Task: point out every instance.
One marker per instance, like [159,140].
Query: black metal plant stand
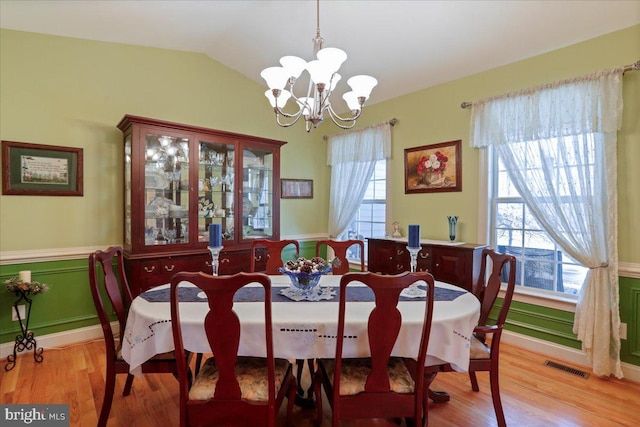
[25,340]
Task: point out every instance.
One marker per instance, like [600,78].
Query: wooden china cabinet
[179,179]
[455,264]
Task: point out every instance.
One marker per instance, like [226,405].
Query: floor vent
[568,369]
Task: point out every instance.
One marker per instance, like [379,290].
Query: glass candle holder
[215,254]
[413,291]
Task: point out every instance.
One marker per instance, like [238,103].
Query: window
[370,220]
[541,264]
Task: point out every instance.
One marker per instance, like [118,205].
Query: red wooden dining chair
[103,280]
[274,253]
[340,250]
[230,390]
[377,386]
[485,355]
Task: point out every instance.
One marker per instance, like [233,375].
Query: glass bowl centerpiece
[305,273]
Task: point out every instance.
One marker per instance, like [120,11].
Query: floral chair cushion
[355,371]
[251,373]
[479,350]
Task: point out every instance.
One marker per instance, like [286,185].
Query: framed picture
[296,188]
[433,168]
[41,170]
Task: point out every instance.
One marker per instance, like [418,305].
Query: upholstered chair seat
[251,373]
[354,375]
[479,350]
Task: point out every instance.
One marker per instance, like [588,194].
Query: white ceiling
[406,45]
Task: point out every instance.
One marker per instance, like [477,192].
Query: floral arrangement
[305,273]
[205,205]
[435,163]
[16,285]
[310,266]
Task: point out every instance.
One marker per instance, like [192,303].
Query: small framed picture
[41,170]
[296,188]
[433,168]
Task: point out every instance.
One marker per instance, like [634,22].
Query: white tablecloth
[304,330]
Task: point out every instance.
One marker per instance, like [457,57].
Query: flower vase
[453,221]
[429,178]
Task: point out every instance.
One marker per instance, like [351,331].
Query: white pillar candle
[25,276]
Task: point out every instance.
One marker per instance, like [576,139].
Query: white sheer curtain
[568,130]
[352,157]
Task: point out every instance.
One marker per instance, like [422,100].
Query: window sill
[544,299]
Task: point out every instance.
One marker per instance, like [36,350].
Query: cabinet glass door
[257,193]
[216,189]
[127,191]
[166,189]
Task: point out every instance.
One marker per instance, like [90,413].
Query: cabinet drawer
[232,262]
[401,259]
[425,260]
[158,271]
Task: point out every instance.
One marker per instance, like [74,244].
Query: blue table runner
[256,294]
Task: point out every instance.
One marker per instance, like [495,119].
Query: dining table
[304,327]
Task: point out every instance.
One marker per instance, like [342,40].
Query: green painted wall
[434,115]
[67,305]
[71,92]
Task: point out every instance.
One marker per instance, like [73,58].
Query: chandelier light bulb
[280,101]
[362,85]
[352,101]
[320,72]
[276,77]
[333,57]
[293,65]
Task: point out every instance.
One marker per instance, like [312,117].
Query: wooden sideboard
[455,264]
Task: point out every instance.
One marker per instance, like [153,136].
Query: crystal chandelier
[323,78]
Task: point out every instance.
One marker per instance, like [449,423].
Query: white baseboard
[60,339]
[562,353]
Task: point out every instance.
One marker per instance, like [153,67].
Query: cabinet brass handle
[169,268]
[150,269]
[399,251]
[425,256]
[223,260]
[207,263]
[400,267]
[437,265]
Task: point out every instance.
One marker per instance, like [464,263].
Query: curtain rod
[631,67]
[392,122]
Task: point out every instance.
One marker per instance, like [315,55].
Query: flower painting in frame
[433,168]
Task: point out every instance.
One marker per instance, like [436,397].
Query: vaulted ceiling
[406,45]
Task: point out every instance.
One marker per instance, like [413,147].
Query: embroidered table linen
[301,330]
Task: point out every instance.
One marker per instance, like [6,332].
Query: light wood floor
[532,394]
